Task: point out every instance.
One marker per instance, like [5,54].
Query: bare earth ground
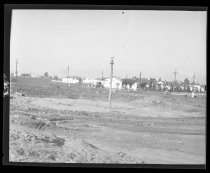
[153,129]
[57,123]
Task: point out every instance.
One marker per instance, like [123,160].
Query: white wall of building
[116,83]
[196,88]
[70,80]
[134,86]
[87,80]
[90,81]
[18,74]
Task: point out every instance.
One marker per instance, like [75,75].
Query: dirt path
[65,130]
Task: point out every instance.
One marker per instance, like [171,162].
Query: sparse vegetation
[77,126]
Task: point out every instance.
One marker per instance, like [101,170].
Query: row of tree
[175,86]
[46,74]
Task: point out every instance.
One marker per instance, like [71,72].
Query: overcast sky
[154,43]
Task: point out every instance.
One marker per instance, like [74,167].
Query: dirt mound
[46,147]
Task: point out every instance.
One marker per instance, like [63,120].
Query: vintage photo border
[6,66]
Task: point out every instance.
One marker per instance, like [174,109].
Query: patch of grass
[44,87]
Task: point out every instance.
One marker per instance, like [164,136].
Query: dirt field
[75,125]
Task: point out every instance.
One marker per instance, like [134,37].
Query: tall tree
[46,74]
[186,82]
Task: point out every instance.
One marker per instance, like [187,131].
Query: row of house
[128,84]
[117,83]
[26,75]
[135,84]
[104,82]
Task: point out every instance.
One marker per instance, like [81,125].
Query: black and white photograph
[107,86]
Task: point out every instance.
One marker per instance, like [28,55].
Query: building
[26,74]
[18,74]
[197,88]
[134,86]
[116,83]
[153,84]
[72,80]
[91,81]
[33,75]
[203,88]
[87,80]
[182,88]
[130,84]
[160,85]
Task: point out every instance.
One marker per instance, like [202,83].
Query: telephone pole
[193,79]
[140,81]
[193,82]
[16,68]
[174,77]
[102,73]
[110,89]
[68,74]
[175,74]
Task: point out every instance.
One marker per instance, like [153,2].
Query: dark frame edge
[104,7]
[7,29]
[6,71]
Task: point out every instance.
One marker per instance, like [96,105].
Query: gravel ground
[154,129]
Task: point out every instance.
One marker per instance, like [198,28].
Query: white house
[182,88]
[90,81]
[33,75]
[94,81]
[18,74]
[116,83]
[196,88]
[202,88]
[87,80]
[168,87]
[134,86]
[161,84]
[71,80]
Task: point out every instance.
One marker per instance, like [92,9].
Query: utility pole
[193,82]
[16,68]
[175,74]
[140,81]
[193,79]
[68,74]
[110,89]
[174,77]
[102,74]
